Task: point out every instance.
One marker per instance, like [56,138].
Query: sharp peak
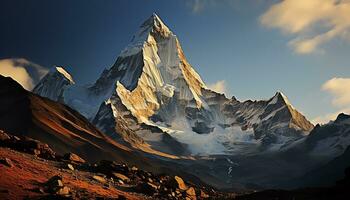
[342,117]
[279,93]
[283,97]
[62,71]
[155,22]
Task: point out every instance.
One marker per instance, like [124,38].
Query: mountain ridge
[158,87]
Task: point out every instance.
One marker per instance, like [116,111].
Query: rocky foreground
[32,170]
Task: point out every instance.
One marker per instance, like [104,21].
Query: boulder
[99,179]
[70,166]
[145,188]
[54,182]
[55,186]
[4,136]
[191,193]
[134,168]
[121,177]
[181,184]
[73,157]
[204,195]
[64,191]
[6,161]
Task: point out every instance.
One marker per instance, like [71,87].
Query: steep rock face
[330,139]
[54,83]
[152,68]
[155,93]
[14,110]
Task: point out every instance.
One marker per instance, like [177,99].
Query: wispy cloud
[313,22]
[219,86]
[23,71]
[339,89]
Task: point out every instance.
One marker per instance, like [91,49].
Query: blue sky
[250,48]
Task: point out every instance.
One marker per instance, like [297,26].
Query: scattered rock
[39,190]
[145,188]
[54,182]
[154,186]
[4,136]
[70,166]
[181,183]
[134,168]
[191,193]
[121,176]
[36,152]
[64,191]
[27,145]
[99,179]
[7,162]
[204,195]
[73,157]
[55,186]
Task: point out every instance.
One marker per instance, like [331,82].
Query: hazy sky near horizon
[249,49]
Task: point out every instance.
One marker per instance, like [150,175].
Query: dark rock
[109,167]
[55,181]
[341,117]
[55,186]
[121,197]
[145,188]
[63,191]
[204,195]
[7,162]
[121,177]
[4,136]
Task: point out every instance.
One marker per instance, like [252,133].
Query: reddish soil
[28,173]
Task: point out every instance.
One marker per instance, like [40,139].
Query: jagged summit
[279,97]
[152,83]
[61,70]
[152,26]
[155,24]
[342,117]
[54,83]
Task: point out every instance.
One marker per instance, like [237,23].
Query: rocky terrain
[30,169]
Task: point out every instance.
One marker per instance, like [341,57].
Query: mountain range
[152,109]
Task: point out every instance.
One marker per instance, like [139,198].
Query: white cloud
[339,88]
[219,86]
[23,71]
[313,22]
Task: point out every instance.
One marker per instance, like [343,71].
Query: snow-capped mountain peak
[61,70]
[156,25]
[153,25]
[54,83]
[152,83]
